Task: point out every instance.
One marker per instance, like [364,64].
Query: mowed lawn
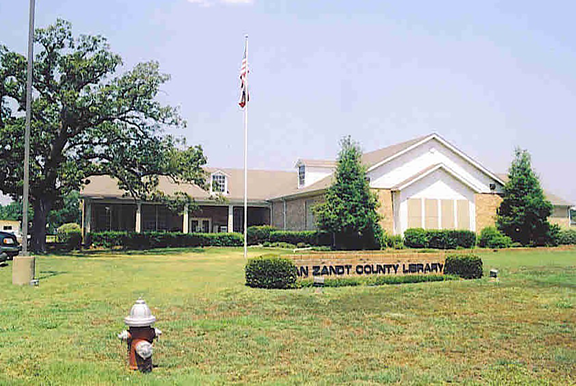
[521,330]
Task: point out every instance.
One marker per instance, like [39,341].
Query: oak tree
[88,119]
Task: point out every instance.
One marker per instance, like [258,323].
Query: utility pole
[24,266]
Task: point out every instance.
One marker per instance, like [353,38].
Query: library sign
[360,264]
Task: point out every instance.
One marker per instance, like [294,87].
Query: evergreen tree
[523,214]
[349,209]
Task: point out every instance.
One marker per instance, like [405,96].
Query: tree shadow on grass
[122,252]
[48,274]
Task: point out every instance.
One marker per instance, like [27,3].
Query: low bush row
[490,237]
[148,240]
[439,239]
[567,237]
[268,234]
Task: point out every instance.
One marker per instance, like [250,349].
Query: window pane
[218,183]
[301,174]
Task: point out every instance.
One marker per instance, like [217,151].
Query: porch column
[87,216]
[138,225]
[185,220]
[230,218]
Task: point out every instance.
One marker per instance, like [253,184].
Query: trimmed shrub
[306,237]
[148,240]
[439,238]
[70,235]
[416,238]
[378,280]
[465,266]
[567,237]
[270,271]
[268,244]
[490,237]
[259,234]
[392,241]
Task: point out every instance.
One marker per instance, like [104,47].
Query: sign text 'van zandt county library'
[360,264]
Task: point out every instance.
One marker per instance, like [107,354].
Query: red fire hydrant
[140,336]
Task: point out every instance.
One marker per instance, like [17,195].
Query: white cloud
[237,1]
[202,3]
[209,3]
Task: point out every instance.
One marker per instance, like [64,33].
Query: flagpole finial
[246,36]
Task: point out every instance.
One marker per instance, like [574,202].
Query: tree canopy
[524,211]
[87,120]
[349,209]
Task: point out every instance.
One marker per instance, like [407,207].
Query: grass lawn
[521,330]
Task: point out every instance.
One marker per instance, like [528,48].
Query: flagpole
[246,158]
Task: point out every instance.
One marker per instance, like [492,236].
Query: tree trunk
[42,207]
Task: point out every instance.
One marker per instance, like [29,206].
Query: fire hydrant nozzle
[140,336]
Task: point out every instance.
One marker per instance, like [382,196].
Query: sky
[488,76]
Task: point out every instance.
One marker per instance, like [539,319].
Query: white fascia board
[386,160]
[449,146]
[447,170]
[219,172]
[468,158]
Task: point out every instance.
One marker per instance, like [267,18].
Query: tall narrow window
[463,214]
[414,213]
[218,183]
[447,214]
[431,210]
[301,175]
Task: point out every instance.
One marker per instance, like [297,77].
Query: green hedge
[567,237]
[70,236]
[148,240]
[490,237]
[392,241]
[305,237]
[270,271]
[378,280]
[465,266]
[439,239]
[259,234]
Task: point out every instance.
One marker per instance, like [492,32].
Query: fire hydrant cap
[140,315]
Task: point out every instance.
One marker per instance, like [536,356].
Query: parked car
[9,245]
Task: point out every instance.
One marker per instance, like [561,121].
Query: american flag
[244,97]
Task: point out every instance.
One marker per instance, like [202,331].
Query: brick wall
[278,214]
[385,210]
[295,213]
[486,206]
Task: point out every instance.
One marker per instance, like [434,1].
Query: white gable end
[424,156]
[315,174]
[439,186]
